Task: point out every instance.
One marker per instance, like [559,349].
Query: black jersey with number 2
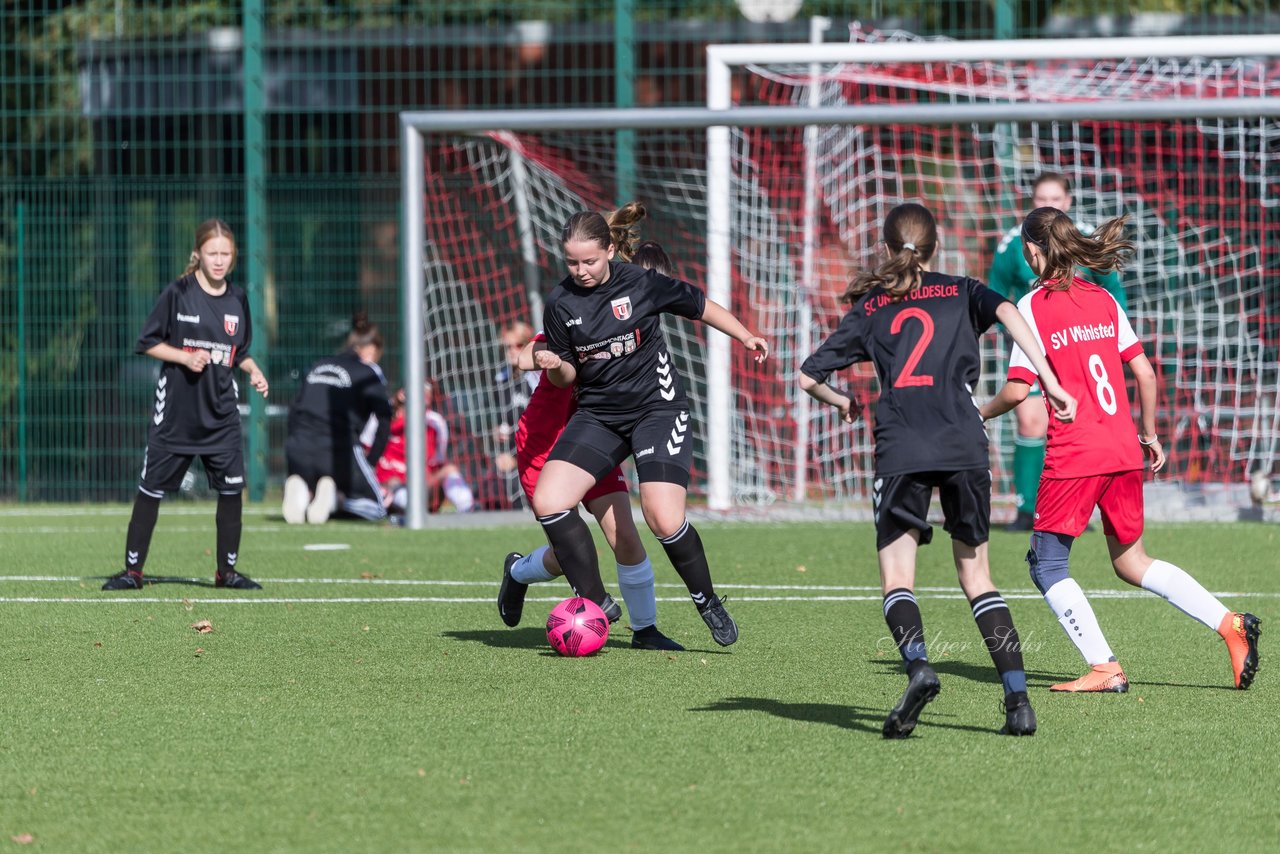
[925,351]
[612,334]
[197,412]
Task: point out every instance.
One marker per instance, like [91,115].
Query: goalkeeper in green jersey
[1012,278]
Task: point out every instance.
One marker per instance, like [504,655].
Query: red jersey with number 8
[1087,339]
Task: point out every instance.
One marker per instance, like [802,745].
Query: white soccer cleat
[296,499]
[322,504]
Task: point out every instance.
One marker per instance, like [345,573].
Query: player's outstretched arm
[1006,400]
[718,317]
[561,373]
[846,403]
[1144,377]
[1064,405]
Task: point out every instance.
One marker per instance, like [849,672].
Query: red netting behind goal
[1203,197]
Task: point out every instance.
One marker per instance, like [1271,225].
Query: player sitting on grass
[1097,459]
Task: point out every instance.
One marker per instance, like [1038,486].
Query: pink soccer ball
[577,627]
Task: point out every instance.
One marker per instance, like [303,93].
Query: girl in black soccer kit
[604,332]
[342,398]
[920,329]
[200,330]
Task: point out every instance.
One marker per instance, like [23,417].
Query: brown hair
[911,236]
[1056,235]
[624,228]
[205,232]
[363,333]
[652,256]
[1056,177]
[620,229]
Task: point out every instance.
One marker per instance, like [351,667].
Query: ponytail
[624,228]
[1055,234]
[911,236]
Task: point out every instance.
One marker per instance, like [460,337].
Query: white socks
[530,569]
[1071,607]
[1184,593]
[636,584]
[458,493]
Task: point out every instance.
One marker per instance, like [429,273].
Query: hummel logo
[231,558]
[577,321]
[676,442]
[131,557]
[188,318]
[666,382]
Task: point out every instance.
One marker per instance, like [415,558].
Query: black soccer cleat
[124,580]
[234,580]
[724,630]
[511,593]
[611,609]
[650,638]
[922,687]
[1019,717]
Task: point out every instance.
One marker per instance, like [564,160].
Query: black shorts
[162,470]
[661,441]
[349,468]
[901,504]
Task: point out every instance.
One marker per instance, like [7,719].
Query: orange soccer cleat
[1106,678]
[1241,632]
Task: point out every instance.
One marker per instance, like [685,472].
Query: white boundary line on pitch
[933,592]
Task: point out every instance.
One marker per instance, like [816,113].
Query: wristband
[1147,444]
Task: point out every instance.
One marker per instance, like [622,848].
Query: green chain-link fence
[123,123]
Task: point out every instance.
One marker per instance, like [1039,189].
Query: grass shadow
[858,718]
[526,638]
[148,580]
[975,672]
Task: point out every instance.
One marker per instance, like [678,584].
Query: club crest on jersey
[621,307]
[230,322]
[616,348]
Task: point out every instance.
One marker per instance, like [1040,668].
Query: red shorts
[1064,505]
[530,469]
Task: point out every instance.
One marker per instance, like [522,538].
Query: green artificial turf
[321,714]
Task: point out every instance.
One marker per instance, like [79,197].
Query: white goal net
[804,213]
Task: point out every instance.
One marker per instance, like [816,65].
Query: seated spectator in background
[514,388]
[338,427]
[443,479]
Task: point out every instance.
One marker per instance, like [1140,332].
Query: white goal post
[722,116]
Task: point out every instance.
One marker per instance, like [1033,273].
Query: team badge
[230,322]
[621,308]
[616,348]
[630,345]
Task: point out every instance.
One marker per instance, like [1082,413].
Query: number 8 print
[1106,394]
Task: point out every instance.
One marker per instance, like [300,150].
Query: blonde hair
[911,236]
[205,232]
[624,228]
[1056,235]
